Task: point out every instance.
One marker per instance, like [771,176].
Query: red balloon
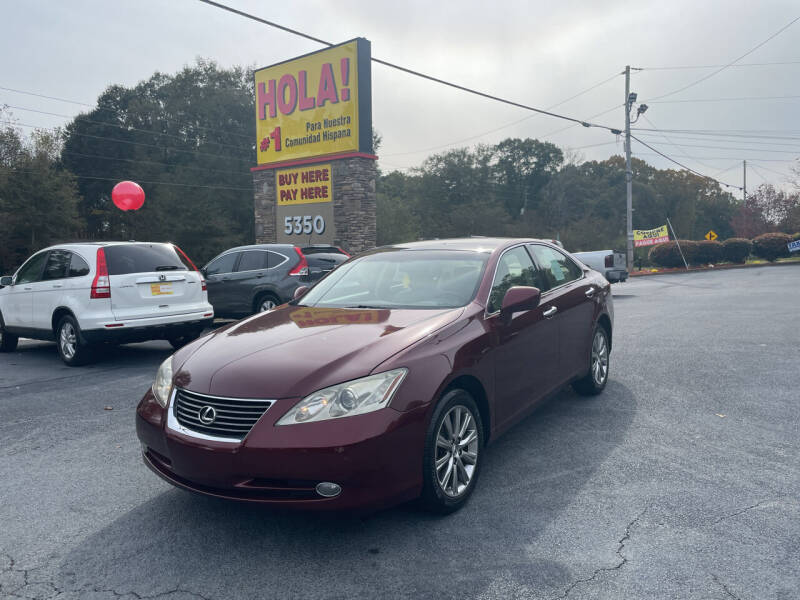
[128,195]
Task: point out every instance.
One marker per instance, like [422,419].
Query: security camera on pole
[630,99]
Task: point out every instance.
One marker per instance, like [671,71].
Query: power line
[154,162]
[411,71]
[685,67]
[169,183]
[796,151]
[126,127]
[741,98]
[669,158]
[787,175]
[686,154]
[735,165]
[468,139]
[100,137]
[112,111]
[728,140]
[743,133]
[725,158]
[723,67]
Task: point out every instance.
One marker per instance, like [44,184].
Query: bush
[771,246]
[736,250]
[708,252]
[796,237]
[668,255]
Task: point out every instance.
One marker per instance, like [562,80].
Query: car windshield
[399,278]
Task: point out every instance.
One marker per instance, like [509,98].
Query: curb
[702,269]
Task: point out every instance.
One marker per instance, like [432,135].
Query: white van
[81,295]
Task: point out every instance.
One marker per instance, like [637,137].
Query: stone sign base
[353,190]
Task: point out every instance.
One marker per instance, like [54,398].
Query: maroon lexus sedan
[382,383]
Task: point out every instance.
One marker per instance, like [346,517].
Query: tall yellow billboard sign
[315,105]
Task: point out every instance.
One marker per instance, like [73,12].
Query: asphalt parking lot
[682,480]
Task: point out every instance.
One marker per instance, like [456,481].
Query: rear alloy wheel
[597,377]
[68,341]
[265,303]
[452,453]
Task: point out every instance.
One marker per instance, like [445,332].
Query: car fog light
[328,489]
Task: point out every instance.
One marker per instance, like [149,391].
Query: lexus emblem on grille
[162,277]
[207,415]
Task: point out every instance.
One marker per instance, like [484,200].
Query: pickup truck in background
[611,264]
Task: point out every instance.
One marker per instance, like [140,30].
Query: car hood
[295,350]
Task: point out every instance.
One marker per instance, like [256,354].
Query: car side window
[32,270]
[77,266]
[224,264]
[274,259]
[57,266]
[253,260]
[556,266]
[515,267]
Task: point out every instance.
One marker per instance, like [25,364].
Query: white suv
[81,295]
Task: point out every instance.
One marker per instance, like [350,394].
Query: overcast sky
[537,53]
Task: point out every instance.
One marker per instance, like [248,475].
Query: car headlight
[354,397]
[162,386]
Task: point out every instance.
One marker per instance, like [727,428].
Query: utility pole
[744,185]
[628,169]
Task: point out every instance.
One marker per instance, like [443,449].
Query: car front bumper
[376,458]
[616,276]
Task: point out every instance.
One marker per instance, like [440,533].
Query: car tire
[8,341]
[265,302]
[179,341]
[596,378]
[441,493]
[72,350]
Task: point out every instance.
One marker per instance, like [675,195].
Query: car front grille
[220,417]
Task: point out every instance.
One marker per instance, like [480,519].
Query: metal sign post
[678,243]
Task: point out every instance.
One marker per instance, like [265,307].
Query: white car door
[48,294]
[18,302]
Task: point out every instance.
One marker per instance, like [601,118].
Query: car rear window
[325,260]
[143,258]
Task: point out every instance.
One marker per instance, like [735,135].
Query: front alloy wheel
[456,451]
[453,445]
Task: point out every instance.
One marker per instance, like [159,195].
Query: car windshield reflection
[413,279]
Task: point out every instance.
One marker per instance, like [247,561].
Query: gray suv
[249,279]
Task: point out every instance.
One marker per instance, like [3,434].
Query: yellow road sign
[711,235]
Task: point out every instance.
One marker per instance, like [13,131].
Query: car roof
[471,244]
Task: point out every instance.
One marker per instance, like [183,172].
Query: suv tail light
[101,286]
[609,261]
[189,260]
[347,254]
[302,267]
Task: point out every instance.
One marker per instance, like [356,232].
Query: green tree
[188,140]
[38,198]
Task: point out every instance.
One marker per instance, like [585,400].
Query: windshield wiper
[363,306]
[167,268]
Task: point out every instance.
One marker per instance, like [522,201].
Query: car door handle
[259,274]
[27,288]
[550,311]
[590,292]
[58,285]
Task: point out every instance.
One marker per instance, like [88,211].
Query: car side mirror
[519,298]
[6,280]
[300,292]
